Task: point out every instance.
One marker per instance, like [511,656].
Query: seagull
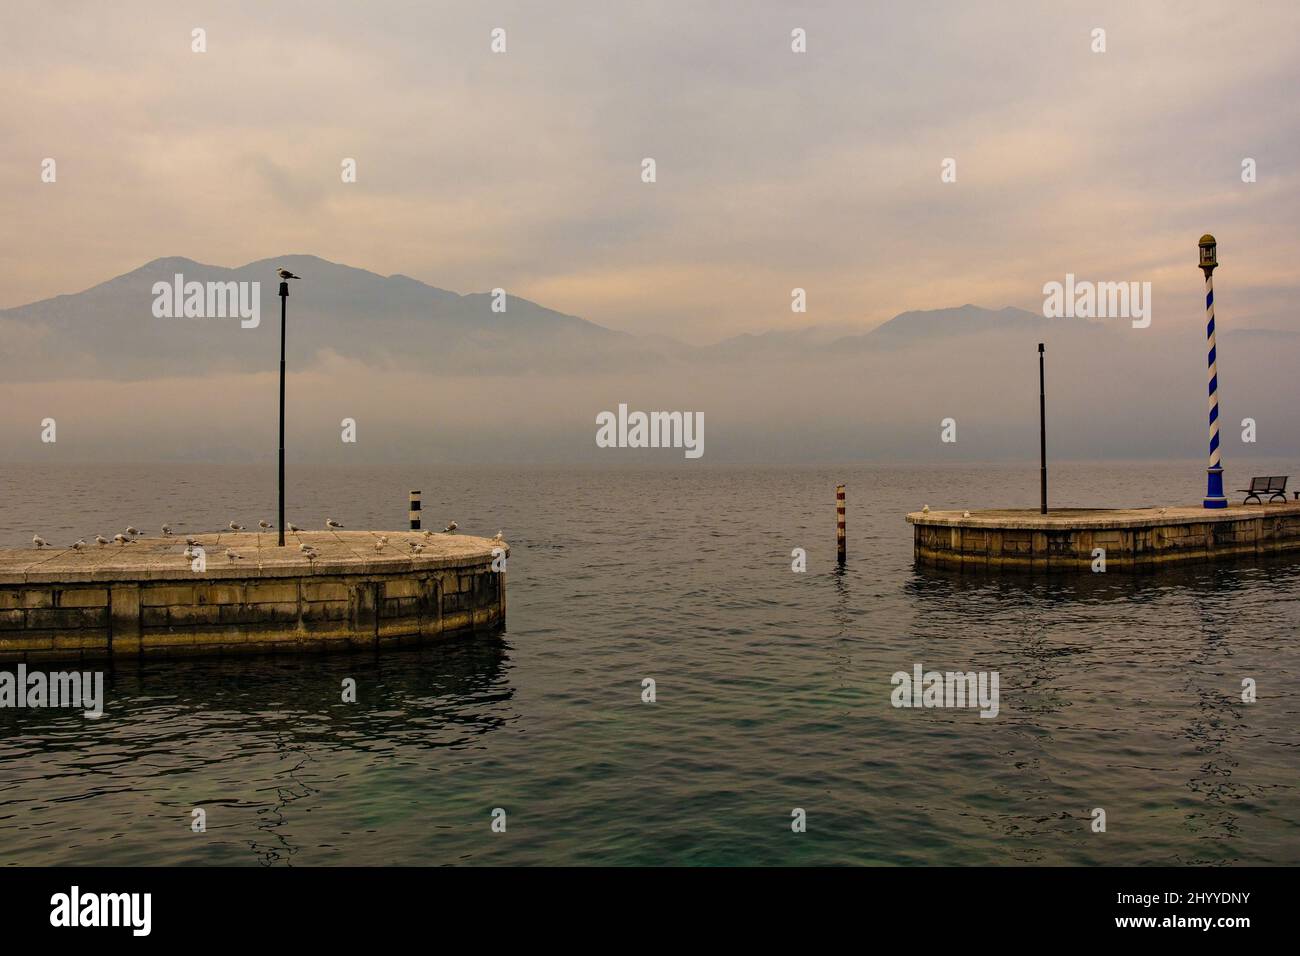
[379,545]
[925,510]
[235,527]
[167,529]
[131,531]
[122,539]
[451,528]
[286,274]
[310,552]
[292,527]
[497,536]
[233,555]
[100,540]
[81,543]
[965,514]
[416,547]
[264,526]
[331,523]
[38,541]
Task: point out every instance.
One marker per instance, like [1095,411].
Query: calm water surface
[773,687]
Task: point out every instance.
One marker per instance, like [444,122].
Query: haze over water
[773,688]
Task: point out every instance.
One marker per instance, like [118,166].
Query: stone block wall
[74,620]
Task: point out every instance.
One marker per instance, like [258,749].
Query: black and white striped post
[415,511]
[840,541]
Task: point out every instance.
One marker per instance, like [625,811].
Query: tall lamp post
[1042,434]
[1214,497]
[284,298]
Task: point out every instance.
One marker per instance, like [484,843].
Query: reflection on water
[1117,691]
[250,740]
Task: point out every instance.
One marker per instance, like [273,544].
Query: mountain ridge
[109,329]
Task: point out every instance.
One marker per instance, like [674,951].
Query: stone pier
[145,598]
[1065,539]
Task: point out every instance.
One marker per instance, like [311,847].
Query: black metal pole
[1042,431]
[284,298]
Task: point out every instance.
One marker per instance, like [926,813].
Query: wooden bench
[1274,487]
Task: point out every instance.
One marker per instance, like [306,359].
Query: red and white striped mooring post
[839,523]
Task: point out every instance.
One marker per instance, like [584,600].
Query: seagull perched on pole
[286,274]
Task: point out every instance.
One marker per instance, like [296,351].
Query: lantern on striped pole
[839,524]
[414,511]
[1214,497]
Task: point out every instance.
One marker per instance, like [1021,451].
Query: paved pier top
[1071,519]
[159,558]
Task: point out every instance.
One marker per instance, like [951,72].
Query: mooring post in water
[839,524]
[414,511]
[1214,497]
[284,297]
[1042,433]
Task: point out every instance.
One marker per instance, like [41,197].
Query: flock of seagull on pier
[132,534]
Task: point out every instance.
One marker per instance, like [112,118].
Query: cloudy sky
[775,169]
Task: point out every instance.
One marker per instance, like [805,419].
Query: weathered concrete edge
[1120,560]
[238,572]
[942,519]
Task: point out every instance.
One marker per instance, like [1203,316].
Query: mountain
[435,375]
[964,320]
[111,330]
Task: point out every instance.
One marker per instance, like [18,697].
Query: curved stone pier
[144,598]
[1066,539]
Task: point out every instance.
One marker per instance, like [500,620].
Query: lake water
[773,688]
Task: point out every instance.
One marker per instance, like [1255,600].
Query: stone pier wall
[1132,540]
[261,612]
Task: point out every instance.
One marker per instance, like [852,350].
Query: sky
[775,170]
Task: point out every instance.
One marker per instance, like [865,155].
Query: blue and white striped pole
[1214,497]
